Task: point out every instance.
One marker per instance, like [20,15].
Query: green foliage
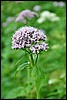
[22,66]
[50,74]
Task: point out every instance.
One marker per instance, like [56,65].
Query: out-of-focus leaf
[16,92]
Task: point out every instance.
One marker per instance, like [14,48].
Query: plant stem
[36,60]
[37,87]
[28,80]
[30,59]
[38,95]
[28,75]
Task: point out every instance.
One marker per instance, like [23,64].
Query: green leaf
[18,61]
[22,66]
[16,92]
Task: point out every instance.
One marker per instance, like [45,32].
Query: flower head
[46,15]
[39,47]
[26,14]
[20,19]
[59,4]
[43,46]
[29,37]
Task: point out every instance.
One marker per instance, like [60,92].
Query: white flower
[55,19]
[41,19]
[46,15]
[37,8]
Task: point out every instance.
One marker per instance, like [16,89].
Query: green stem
[28,75]
[32,60]
[38,95]
[36,60]
[27,22]
[37,88]
[28,80]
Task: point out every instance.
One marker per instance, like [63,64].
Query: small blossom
[37,8]
[10,19]
[28,62]
[43,46]
[35,48]
[4,24]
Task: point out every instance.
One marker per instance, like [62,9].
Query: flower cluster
[46,15]
[29,37]
[39,47]
[59,4]
[26,14]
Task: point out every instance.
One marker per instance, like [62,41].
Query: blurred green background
[52,62]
